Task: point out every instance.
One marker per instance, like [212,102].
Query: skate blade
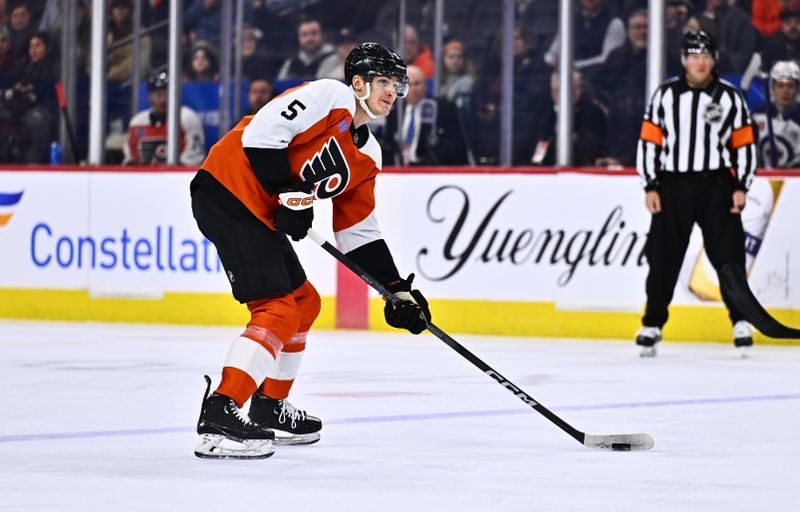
[215,446]
[287,439]
[648,352]
[744,352]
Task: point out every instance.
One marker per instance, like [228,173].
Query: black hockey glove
[295,212]
[413,313]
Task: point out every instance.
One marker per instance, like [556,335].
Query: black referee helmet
[698,41]
[158,81]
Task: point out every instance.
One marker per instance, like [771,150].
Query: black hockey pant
[686,198]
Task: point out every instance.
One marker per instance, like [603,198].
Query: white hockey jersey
[786,131]
[313,122]
[147,142]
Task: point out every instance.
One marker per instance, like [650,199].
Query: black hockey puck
[621,447]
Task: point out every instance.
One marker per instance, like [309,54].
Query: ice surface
[101,417]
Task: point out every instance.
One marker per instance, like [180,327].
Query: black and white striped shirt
[692,130]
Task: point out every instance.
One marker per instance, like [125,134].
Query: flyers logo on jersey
[328,168]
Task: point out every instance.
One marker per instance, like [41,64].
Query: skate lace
[240,415]
[291,412]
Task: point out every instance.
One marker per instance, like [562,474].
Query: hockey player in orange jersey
[257,186]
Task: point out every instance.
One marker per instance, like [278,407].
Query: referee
[696,157]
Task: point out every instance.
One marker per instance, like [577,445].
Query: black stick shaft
[70,135]
[449,341]
[62,103]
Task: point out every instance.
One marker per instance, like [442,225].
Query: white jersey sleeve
[296,112]
[194,149]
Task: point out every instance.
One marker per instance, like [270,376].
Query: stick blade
[619,442]
[734,280]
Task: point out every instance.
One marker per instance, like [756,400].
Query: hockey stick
[617,442]
[62,103]
[734,281]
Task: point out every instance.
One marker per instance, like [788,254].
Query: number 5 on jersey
[291,111]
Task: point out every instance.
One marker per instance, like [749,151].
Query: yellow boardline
[454,316]
[543,319]
[173,308]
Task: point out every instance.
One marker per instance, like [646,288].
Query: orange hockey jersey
[313,121]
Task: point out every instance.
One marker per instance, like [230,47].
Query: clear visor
[401,87]
[400,84]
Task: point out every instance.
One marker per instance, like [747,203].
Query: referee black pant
[686,198]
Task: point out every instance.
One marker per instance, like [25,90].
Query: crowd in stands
[286,42]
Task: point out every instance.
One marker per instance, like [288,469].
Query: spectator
[597,33]
[159,48]
[203,19]
[541,22]
[458,74]
[531,90]
[345,42]
[83,48]
[147,133]
[204,64]
[734,33]
[276,31]
[26,126]
[40,66]
[417,53]
[588,130]
[256,59]
[621,85]
[419,14]
[21,28]
[784,44]
[677,13]
[258,94]
[120,58]
[314,54]
[35,8]
[766,16]
[52,19]
[9,66]
[779,136]
[432,133]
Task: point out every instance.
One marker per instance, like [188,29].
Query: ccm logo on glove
[295,212]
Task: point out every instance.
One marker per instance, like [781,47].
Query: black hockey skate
[647,338]
[292,426]
[226,433]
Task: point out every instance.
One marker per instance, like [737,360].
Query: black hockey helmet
[369,60]
[698,41]
[158,81]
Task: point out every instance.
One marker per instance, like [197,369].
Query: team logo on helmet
[698,41]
